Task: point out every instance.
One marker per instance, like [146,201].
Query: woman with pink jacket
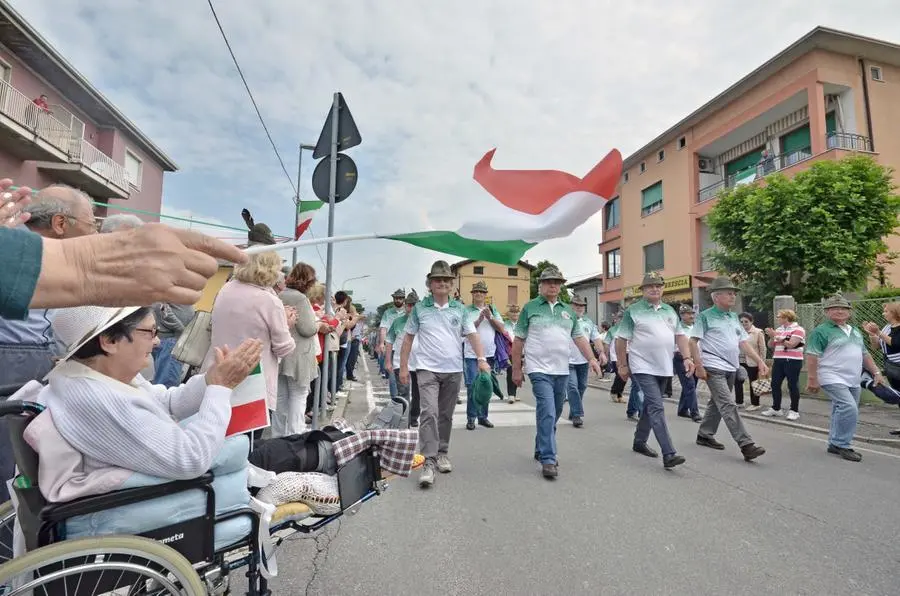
[247,307]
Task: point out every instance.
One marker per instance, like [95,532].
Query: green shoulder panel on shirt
[828,333]
[397,330]
[19,275]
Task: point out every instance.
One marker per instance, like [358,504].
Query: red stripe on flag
[302,228]
[247,417]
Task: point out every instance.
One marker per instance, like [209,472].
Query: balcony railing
[17,106]
[772,164]
[100,163]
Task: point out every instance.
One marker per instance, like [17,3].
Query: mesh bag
[318,491]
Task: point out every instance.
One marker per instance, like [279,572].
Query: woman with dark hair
[297,371]
[103,421]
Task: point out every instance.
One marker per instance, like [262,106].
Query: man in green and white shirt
[545,331]
[386,319]
[392,341]
[578,364]
[835,357]
[650,329]
[488,323]
[717,340]
[440,324]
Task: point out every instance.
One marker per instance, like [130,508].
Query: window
[877,75]
[512,295]
[654,257]
[133,169]
[611,214]
[682,142]
[614,263]
[652,199]
[626,176]
[661,155]
[478,270]
[512,272]
[643,167]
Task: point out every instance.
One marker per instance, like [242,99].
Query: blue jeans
[381,370]
[167,370]
[653,414]
[392,383]
[549,395]
[470,371]
[688,402]
[844,413]
[577,385]
[635,399]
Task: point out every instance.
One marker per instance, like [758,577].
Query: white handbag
[193,344]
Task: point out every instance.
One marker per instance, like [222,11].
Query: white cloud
[432,87]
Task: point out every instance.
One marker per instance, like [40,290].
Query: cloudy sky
[432,86]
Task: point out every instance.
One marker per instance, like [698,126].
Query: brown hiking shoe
[549,471]
[752,451]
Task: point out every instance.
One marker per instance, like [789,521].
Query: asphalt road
[798,521]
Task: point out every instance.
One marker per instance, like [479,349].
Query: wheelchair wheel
[101,565]
[7,529]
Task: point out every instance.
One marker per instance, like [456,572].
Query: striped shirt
[784,333]
[891,352]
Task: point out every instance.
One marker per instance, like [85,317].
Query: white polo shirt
[548,330]
[650,331]
[590,331]
[440,330]
[486,332]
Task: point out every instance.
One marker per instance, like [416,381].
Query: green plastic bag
[482,389]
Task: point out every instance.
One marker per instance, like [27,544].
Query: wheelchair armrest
[57,512]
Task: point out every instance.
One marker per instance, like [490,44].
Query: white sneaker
[770,413]
[426,480]
[443,464]
[792,415]
[751,408]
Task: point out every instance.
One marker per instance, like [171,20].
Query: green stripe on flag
[257,370]
[503,252]
[307,206]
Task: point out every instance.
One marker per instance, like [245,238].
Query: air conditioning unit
[707,166]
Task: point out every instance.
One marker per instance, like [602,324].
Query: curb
[788,423]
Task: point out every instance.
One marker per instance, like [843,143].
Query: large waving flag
[306,209]
[537,205]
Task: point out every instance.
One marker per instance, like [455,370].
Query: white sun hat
[74,327]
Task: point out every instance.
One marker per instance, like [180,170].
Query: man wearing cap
[439,323]
[578,364]
[545,330]
[509,327]
[386,319]
[488,323]
[687,404]
[717,340]
[835,356]
[618,384]
[392,352]
[652,330]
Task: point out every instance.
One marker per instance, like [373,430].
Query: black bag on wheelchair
[307,452]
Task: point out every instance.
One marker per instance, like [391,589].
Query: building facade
[55,127]
[591,289]
[506,285]
[829,95]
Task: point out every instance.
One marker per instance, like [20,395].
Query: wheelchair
[180,558]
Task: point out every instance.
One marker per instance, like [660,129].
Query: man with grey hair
[120,222]
[27,347]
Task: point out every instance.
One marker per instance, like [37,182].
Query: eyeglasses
[153,332]
[95,224]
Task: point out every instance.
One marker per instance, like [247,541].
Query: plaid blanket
[396,448]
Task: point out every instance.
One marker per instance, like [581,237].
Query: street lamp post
[353,278]
[297,197]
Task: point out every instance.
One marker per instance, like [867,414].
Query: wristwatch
[482,359]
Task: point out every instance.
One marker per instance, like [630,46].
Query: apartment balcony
[29,133]
[91,170]
[837,144]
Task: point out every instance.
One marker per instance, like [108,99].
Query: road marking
[370,395]
[501,414]
[855,448]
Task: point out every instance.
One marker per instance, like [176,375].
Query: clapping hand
[233,366]
[13,203]
[871,328]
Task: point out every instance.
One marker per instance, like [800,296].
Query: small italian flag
[248,405]
[533,206]
[306,209]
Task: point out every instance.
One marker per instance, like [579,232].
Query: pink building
[81,140]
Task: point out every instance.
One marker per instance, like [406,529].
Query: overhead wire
[262,121]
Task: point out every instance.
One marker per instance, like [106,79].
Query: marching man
[650,329]
[488,323]
[578,364]
[545,330]
[717,339]
[439,323]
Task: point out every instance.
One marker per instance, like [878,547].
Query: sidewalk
[875,420]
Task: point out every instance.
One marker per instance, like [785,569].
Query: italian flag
[532,206]
[248,405]
[306,209]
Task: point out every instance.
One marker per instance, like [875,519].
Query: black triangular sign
[348,134]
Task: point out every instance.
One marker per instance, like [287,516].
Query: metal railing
[100,163]
[775,163]
[17,106]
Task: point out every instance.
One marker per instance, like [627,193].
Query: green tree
[536,275]
[819,232]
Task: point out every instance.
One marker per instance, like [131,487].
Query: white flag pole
[258,248]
